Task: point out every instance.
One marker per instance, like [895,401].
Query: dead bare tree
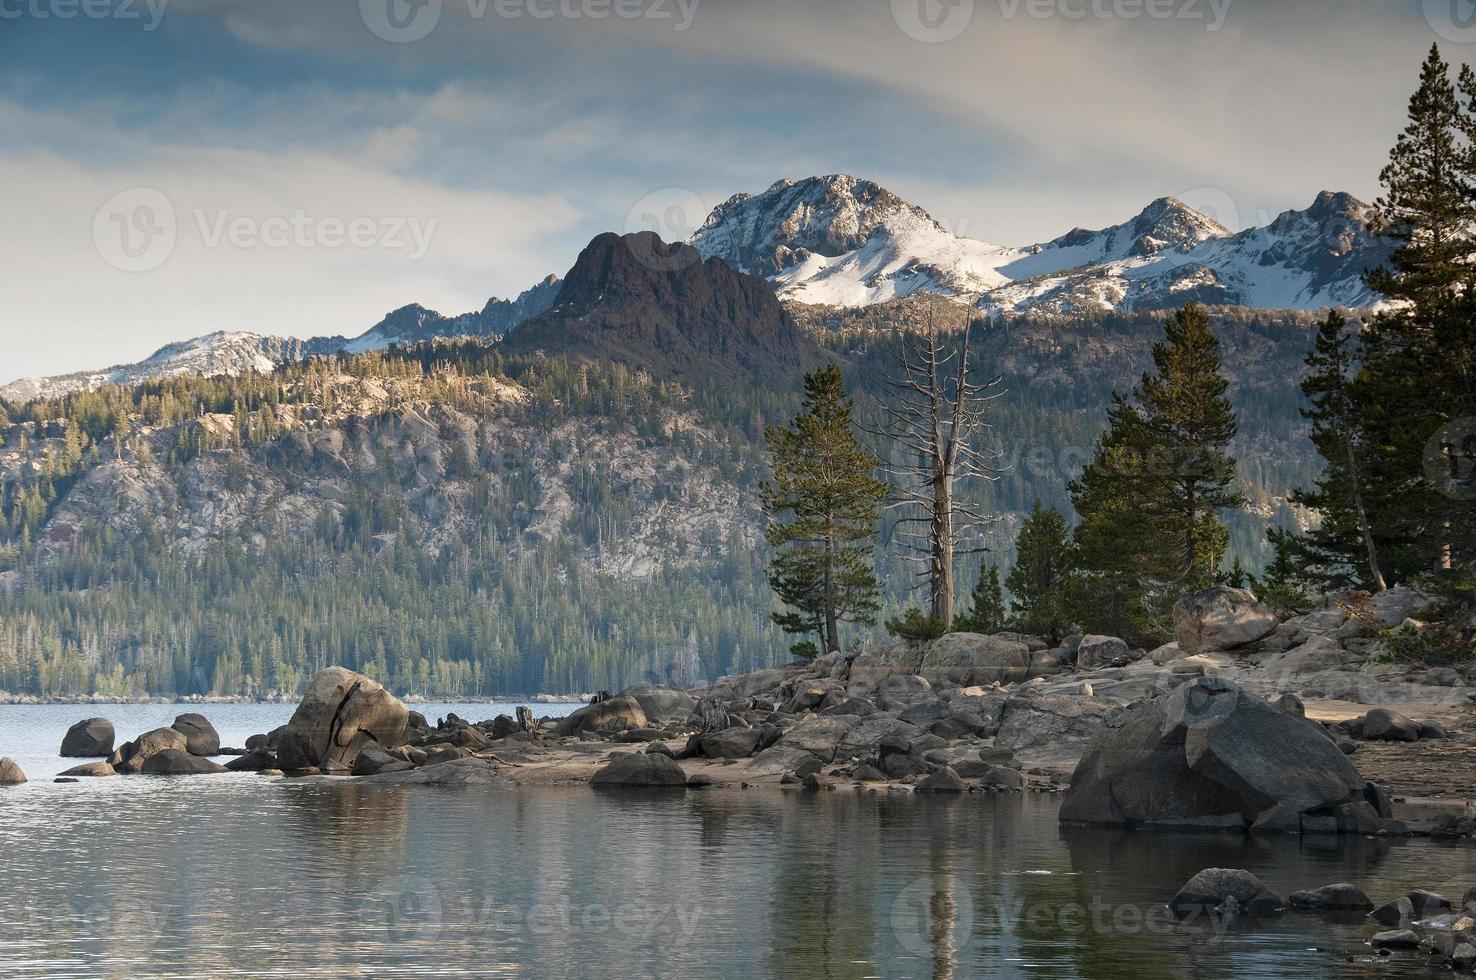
[934,418]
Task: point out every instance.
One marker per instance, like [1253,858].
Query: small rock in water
[1339,896]
[1396,939]
[10,773]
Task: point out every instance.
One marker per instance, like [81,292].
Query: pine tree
[1119,541]
[1045,561]
[1428,204]
[1417,383]
[1191,423]
[987,610]
[1284,586]
[1148,500]
[823,505]
[1340,553]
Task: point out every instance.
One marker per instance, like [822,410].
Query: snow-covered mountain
[842,241]
[237,352]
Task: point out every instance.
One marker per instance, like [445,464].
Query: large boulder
[1385,725]
[1214,755]
[661,704]
[818,735]
[640,769]
[1390,608]
[10,773]
[1221,618]
[200,736]
[91,738]
[341,714]
[173,762]
[730,743]
[608,716]
[969,659]
[1103,651]
[131,756]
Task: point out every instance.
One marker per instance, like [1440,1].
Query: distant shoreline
[409,699]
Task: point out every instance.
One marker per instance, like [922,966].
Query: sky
[170,168]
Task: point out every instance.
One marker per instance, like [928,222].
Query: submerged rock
[1214,888]
[457,772]
[91,738]
[90,769]
[1341,896]
[175,762]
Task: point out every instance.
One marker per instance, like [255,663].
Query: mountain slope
[230,354]
[659,307]
[841,241]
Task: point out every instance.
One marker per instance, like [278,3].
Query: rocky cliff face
[659,307]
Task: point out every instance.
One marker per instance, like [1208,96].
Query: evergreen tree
[987,610]
[1427,204]
[1119,541]
[1340,553]
[1149,498]
[1191,422]
[823,504]
[1045,561]
[1284,586]
[1416,389]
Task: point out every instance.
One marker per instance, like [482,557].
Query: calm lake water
[248,876]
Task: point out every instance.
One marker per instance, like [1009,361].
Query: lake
[243,875]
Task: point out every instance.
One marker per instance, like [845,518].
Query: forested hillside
[453,520]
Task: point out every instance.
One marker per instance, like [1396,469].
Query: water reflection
[329,878]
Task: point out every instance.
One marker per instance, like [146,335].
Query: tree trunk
[832,627]
[942,562]
[1376,575]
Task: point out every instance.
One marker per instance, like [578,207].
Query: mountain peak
[660,307]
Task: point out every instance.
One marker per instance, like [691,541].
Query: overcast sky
[300,167]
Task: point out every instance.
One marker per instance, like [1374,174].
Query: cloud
[295,243]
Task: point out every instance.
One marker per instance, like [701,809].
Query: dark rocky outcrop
[341,714]
[91,738]
[659,307]
[1213,755]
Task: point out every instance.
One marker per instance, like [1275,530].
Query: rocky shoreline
[966,713]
